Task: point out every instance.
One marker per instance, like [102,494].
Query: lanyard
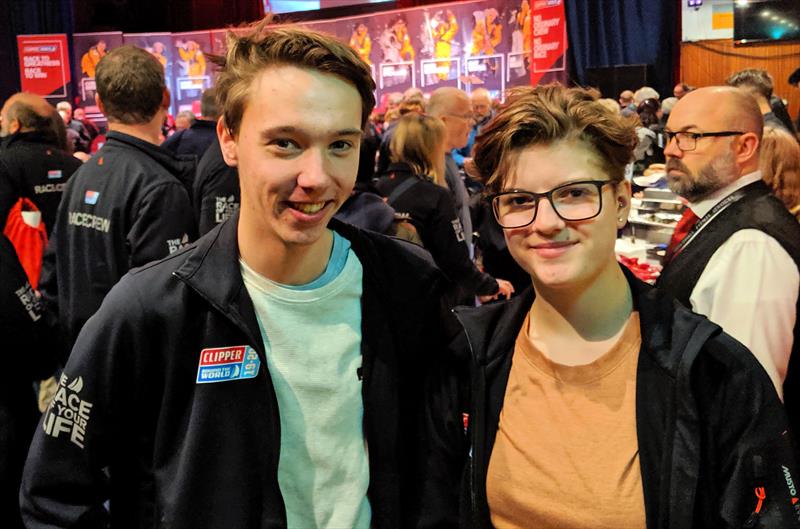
[708,217]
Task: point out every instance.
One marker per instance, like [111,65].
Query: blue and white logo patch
[223,364]
[90,197]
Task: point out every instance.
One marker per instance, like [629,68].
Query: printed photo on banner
[88,49]
[192,71]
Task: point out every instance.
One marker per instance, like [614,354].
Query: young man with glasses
[739,249]
[595,401]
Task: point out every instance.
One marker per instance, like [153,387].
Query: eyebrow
[288,129]
[684,128]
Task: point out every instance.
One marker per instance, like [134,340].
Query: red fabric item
[29,242]
[682,229]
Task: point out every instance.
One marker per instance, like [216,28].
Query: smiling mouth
[553,245]
[309,208]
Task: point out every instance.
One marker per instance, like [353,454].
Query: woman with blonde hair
[414,185]
[780,166]
[595,401]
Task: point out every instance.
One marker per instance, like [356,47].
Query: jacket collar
[670,332]
[212,268]
[177,165]
[30,137]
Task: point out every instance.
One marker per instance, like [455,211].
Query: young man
[271,374]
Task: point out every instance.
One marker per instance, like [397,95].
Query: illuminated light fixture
[742,3]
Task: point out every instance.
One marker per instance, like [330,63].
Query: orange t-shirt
[566,454]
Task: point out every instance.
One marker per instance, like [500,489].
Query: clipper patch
[223,364]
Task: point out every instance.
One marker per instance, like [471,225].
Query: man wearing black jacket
[32,165]
[271,374]
[196,139]
[126,206]
[28,356]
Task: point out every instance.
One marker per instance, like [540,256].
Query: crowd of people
[306,309]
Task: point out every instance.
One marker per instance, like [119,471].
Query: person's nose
[671,148]
[547,221]
[313,171]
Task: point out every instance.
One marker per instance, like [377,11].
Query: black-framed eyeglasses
[687,141]
[574,201]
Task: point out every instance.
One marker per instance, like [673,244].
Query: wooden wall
[710,62]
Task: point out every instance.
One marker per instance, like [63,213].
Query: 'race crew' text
[87,220]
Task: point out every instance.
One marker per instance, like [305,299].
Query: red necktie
[682,229]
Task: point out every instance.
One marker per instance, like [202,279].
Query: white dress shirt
[750,288]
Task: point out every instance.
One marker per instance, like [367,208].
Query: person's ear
[746,147]
[99,102]
[622,201]
[14,126]
[227,142]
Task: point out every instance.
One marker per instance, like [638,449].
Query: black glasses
[573,201]
[687,141]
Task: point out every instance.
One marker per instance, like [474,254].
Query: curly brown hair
[544,115]
[261,46]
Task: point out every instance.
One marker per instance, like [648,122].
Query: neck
[590,314]
[148,132]
[764,105]
[288,264]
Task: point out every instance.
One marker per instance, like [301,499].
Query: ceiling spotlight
[742,3]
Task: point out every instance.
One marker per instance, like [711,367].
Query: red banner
[549,40]
[44,64]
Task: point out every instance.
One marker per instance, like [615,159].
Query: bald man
[481,115]
[738,264]
[32,163]
[454,108]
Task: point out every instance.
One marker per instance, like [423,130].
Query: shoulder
[395,257]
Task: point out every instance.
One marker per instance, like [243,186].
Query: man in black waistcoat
[739,262]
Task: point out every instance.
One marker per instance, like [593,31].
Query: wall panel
[710,62]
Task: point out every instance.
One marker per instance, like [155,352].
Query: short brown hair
[544,115]
[263,46]
[418,141]
[753,80]
[780,164]
[130,83]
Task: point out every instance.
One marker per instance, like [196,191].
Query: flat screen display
[766,20]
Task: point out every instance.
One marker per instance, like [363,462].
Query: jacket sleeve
[447,445]
[9,194]
[758,474]
[23,324]
[66,477]
[443,236]
[164,223]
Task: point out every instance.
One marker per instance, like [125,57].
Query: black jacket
[123,208]
[195,140]
[216,194]
[27,355]
[710,426]
[183,455]
[434,216]
[32,166]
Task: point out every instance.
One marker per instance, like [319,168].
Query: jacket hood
[671,333]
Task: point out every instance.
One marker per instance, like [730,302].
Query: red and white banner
[44,64]
[549,41]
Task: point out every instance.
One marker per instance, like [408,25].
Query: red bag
[29,242]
